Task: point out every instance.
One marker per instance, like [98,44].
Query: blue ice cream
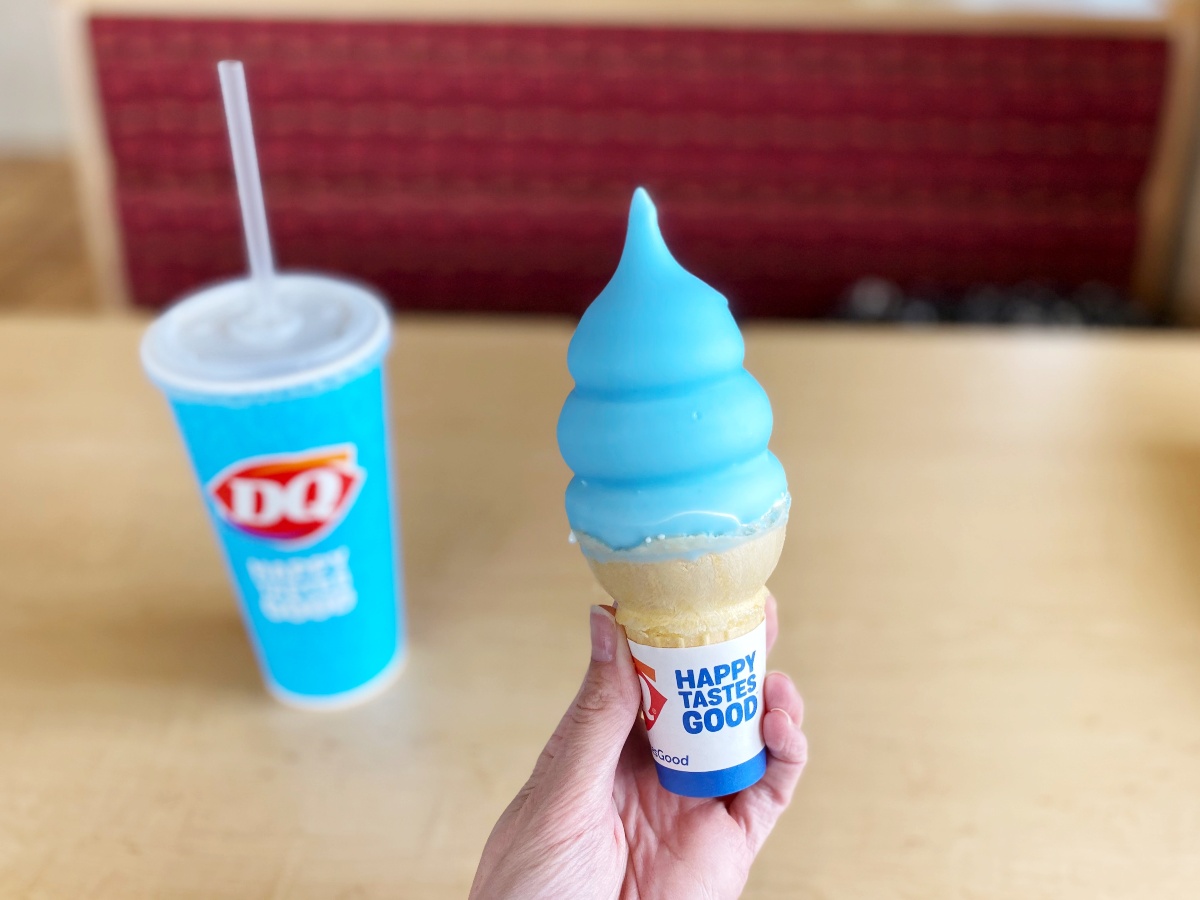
[665,430]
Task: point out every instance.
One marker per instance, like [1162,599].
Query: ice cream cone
[678,505]
[706,591]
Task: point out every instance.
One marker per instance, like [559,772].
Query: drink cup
[282,409]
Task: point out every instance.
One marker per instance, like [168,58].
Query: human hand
[592,820]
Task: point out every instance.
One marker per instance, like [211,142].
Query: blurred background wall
[890,160]
[43,264]
[33,117]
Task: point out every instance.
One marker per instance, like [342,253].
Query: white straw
[249,182]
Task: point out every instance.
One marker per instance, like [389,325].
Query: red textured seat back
[489,167]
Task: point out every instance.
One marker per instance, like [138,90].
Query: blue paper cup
[286,426]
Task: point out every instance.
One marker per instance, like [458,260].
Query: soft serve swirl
[665,430]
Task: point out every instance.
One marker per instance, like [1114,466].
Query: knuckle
[780,795]
[790,747]
[798,748]
[594,696]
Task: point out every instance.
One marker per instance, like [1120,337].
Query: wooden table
[990,598]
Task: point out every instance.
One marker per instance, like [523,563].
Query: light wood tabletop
[990,598]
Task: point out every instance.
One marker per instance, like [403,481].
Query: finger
[780,693]
[758,808]
[772,614]
[584,749]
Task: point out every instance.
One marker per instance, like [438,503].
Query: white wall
[32,110]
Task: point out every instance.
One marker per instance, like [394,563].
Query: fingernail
[782,712]
[604,636]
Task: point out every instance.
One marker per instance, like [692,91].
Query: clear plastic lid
[220,341]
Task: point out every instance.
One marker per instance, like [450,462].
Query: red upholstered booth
[488,166]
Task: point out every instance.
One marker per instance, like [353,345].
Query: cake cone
[711,591]
[678,505]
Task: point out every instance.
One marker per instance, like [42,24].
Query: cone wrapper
[703,709]
[693,611]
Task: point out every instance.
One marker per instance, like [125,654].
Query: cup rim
[175,383]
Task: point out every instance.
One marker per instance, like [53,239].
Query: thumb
[592,733]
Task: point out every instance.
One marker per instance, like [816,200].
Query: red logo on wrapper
[652,701]
[289,498]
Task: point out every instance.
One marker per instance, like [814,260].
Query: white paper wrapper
[703,709]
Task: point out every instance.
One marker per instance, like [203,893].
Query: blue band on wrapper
[713,784]
[703,711]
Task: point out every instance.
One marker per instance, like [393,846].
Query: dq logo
[291,498]
[652,700]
